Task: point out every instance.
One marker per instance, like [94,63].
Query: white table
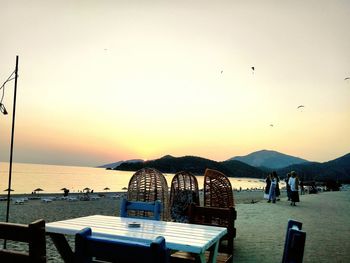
[178,236]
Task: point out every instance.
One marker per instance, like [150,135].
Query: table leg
[214,252]
[63,247]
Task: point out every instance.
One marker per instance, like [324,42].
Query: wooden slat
[15,232]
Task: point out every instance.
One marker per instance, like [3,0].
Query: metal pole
[12,139]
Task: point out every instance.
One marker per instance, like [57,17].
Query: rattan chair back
[217,189]
[183,192]
[148,185]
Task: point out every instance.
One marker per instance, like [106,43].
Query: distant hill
[337,169]
[113,165]
[269,159]
[195,165]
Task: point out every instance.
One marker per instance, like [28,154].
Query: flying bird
[222,71]
[253,69]
[271,125]
[300,106]
[347,78]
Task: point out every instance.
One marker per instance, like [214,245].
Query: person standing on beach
[278,192]
[272,193]
[294,184]
[288,186]
[267,187]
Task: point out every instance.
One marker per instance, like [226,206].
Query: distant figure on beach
[302,188]
[267,187]
[272,193]
[294,187]
[278,192]
[288,186]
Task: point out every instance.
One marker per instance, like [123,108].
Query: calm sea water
[51,178]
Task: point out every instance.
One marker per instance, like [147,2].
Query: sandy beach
[261,226]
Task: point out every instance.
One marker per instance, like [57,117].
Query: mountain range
[113,165]
[269,159]
[254,165]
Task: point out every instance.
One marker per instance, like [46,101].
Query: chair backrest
[183,191]
[294,244]
[137,209]
[33,234]
[149,185]
[217,189]
[118,250]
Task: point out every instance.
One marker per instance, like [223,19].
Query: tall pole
[12,139]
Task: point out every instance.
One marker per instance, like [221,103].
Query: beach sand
[261,226]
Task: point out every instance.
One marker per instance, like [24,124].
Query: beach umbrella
[106,189]
[63,189]
[86,189]
[6,190]
[38,190]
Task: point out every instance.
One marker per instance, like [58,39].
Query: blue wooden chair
[138,209]
[88,247]
[294,244]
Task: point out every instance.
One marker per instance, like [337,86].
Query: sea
[52,178]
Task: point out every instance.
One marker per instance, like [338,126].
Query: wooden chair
[217,190]
[294,244]
[213,216]
[183,192]
[137,209]
[88,247]
[33,234]
[149,185]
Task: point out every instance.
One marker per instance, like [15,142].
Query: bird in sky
[253,69]
[271,125]
[222,71]
[347,78]
[300,106]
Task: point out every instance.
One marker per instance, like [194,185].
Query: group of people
[272,190]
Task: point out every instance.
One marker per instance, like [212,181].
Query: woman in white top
[294,184]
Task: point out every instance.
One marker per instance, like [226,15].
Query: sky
[103,81]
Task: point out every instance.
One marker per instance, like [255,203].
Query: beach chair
[183,192]
[137,209]
[18,201]
[213,216]
[217,189]
[149,185]
[88,247]
[294,244]
[33,234]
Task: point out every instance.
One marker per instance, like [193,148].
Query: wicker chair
[147,185]
[217,190]
[183,192]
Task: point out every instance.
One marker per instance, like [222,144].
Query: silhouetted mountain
[113,165]
[269,159]
[195,165]
[338,170]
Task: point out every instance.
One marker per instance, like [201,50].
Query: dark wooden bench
[33,234]
[213,216]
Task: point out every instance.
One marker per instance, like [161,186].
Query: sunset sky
[102,81]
